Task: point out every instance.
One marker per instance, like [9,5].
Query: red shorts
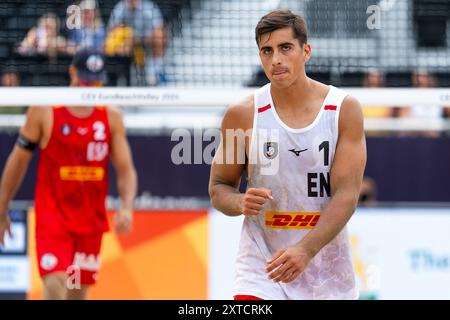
[246,297]
[77,255]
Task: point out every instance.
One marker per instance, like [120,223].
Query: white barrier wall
[402,253]
[398,253]
[224,235]
[14,263]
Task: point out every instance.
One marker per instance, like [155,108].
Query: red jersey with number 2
[72,179]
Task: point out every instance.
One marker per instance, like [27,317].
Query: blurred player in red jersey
[76,144]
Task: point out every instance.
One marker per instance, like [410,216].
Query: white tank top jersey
[295,164]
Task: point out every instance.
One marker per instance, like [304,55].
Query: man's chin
[280,84]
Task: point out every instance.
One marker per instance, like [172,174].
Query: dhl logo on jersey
[292,220]
[81,173]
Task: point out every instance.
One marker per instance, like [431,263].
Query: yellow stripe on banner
[291,220]
[81,173]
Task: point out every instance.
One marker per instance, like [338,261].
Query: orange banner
[164,257]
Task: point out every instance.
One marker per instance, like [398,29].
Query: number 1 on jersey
[325,145]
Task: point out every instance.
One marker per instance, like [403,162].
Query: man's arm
[346,176]
[125,171]
[226,171]
[228,166]
[17,164]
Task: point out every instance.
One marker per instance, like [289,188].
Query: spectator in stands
[374,78]
[149,35]
[120,42]
[10,78]
[44,39]
[422,79]
[91,34]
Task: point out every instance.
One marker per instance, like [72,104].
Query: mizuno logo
[297,152]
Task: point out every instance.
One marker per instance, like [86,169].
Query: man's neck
[290,96]
[81,111]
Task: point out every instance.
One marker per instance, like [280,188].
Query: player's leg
[55,286]
[86,264]
[78,294]
[55,255]
[245,297]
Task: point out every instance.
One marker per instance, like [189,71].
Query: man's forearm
[127,187]
[226,199]
[332,220]
[12,178]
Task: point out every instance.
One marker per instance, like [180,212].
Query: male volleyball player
[76,144]
[294,243]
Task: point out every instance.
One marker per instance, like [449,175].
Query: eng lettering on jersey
[267,142]
[88,262]
[319,182]
[97,151]
[291,220]
[99,130]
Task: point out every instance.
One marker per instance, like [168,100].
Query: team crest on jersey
[270,150]
[48,261]
[65,129]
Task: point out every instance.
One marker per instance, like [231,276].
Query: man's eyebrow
[278,45]
[285,44]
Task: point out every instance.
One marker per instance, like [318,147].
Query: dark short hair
[279,19]
[90,65]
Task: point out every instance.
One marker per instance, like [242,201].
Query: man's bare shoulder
[38,109]
[240,114]
[38,121]
[114,112]
[115,117]
[351,115]
[351,105]
[39,113]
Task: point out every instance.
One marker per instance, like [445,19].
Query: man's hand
[254,199]
[5,227]
[288,264]
[123,221]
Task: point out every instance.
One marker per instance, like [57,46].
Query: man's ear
[73,75]
[307,51]
[73,71]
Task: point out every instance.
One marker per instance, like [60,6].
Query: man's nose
[276,58]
